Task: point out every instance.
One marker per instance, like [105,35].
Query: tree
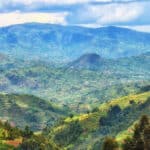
[141,136]
[128,144]
[139,145]
[110,144]
[114,110]
[147,137]
[27,133]
[144,121]
[71,115]
[96,109]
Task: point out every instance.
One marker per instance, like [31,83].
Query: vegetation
[140,139]
[37,142]
[110,144]
[86,104]
[110,119]
[22,110]
[69,134]
[81,90]
[8,133]
[88,131]
[141,136]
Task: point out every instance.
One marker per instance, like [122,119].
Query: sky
[133,14]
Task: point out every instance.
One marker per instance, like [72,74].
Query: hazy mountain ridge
[64,43]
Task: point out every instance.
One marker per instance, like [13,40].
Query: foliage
[77,89]
[7,132]
[141,136]
[69,134]
[29,110]
[118,115]
[37,142]
[110,144]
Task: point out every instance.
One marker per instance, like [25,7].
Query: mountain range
[72,86]
[65,43]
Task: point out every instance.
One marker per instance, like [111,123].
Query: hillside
[79,89]
[63,43]
[87,131]
[13,138]
[109,119]
[22,110]
[136,137]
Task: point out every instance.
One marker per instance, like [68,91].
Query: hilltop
[87,61]
[93,61]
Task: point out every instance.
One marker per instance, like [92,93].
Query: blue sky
[91,13]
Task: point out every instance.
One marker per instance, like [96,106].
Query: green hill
[109,119]
[29,110]
[79,89]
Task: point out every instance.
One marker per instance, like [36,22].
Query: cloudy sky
[91,13]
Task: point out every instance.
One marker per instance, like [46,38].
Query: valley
[68,87]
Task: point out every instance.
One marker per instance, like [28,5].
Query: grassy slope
[28,110]
[90,122]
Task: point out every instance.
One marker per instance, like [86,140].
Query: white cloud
[119,13]
[17,17]
[107,14]
[87,14]
[52,2]
[143,28]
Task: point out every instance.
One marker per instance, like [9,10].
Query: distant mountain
[29,110]
[87,61]
[55,42]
